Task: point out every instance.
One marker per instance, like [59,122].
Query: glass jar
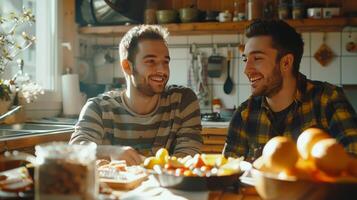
[216,105]
[254,9]
[297,11]
[150,12]
[65,171]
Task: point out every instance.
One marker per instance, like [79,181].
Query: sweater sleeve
[89,127]
[188,137]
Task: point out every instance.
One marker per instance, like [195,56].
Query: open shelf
[200,28]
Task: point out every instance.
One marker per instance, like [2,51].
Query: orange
[280,154]
[307,139]
[330,157]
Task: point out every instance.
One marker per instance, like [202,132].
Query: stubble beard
[273,86]
[143,86]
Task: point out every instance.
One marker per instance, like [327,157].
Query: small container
[315,13]
[283,11]
[254,9]
[150,12]
[216,105]
[297,11]
[330,12]
[225,16]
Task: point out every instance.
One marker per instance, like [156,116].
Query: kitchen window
[41,60]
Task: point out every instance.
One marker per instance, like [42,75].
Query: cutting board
[123,185]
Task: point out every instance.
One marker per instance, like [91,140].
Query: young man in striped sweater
[148,114]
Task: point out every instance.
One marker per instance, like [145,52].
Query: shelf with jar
[201,28]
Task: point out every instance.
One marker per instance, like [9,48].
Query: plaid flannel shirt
[316,104]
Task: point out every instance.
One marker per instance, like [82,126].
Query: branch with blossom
[10,44]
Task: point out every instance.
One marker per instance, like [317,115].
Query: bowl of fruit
[316,167]
[200,172]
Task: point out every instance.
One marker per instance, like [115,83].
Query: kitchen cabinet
[213,139]
[199,28]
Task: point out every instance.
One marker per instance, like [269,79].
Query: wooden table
[151,186]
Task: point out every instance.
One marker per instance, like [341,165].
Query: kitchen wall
[341,71]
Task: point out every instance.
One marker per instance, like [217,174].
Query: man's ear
[287,62]
[126,66]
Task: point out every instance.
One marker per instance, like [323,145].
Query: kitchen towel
[71,97]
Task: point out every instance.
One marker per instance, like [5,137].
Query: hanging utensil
[324,55]
[215,63]
[241,43]
[228,85]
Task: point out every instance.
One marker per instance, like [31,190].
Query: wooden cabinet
[213,139]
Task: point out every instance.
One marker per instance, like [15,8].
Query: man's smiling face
[151,69]
[261,66]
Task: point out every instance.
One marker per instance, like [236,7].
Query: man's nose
[248,67]
[162,66]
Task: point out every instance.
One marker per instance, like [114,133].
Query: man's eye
[257,58]
[151,61]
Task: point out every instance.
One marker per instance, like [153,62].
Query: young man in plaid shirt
[284,101]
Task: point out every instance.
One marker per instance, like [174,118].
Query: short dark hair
[284,38]
[128,46]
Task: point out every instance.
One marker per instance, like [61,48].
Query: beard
[273,84]
[142,85]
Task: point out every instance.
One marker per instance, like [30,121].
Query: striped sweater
[174,124]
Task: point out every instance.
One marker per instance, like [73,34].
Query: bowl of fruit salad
[199,172]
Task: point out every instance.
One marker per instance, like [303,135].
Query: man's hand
[130,155]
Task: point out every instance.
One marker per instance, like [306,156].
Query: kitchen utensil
[270,186]
[228,85]
[196,183]
[324,55]
[315,13]
[85,71]
[215,64]
[225,16]
[166,16]
[330,12]
[109,12]
[241,43]
[211,16]
[188,14]
[351,46]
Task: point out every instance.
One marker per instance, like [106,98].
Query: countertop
[210,124]
[33,128]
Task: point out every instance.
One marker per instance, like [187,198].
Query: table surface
[150,189]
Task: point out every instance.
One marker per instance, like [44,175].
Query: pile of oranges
[316,156]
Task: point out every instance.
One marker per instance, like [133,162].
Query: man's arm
[189,138]
[236,142]
[89,127]
[342,120]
